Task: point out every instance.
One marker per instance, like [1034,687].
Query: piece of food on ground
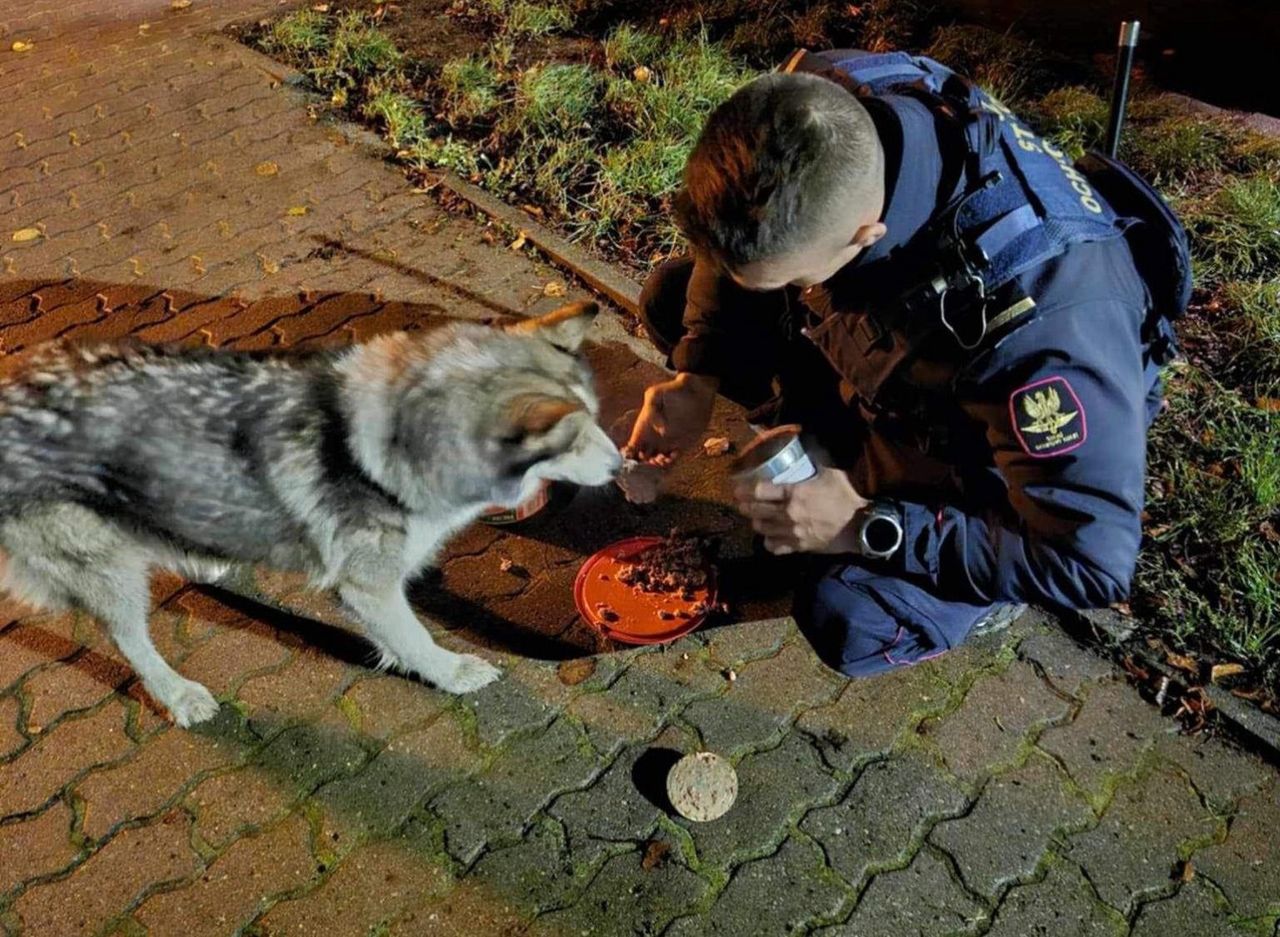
[702,786]
[716,446]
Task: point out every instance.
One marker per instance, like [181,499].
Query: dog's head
[545,412]
[483,414]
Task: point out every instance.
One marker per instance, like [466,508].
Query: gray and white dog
[352,466]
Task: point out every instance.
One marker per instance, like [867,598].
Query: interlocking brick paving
[180,192]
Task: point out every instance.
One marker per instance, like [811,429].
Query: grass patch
[1074,116]
[305,33]
[536,19]
[1177,148]
[471,88]
[1255,324]
[399,115]
[1236,229]
[627,47]
[555,100]
[1005,67]
[1210,576]
[358,51]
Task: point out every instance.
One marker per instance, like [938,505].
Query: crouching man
[970,326]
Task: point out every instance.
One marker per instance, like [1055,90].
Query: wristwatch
[880,530]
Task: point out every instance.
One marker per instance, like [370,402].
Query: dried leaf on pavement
[1222,671]
[655,854]
[1182,662]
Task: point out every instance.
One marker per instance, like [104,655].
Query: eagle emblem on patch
[1048,418]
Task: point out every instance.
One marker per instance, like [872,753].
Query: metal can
[548,495]
[776,456]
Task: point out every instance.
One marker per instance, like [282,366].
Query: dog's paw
[191,703]
[470,674]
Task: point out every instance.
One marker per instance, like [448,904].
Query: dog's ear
[530,415]
[565,328]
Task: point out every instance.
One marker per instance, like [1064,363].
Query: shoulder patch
[1048,418]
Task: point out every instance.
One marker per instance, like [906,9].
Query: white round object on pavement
[702,786]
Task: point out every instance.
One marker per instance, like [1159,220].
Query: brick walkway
[181,193]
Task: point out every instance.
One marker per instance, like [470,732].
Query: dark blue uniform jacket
[1020,465]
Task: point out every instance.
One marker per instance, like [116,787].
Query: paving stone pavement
[180,191]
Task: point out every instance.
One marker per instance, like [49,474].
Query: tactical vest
[1021,203]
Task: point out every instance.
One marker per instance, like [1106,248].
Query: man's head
[786,183]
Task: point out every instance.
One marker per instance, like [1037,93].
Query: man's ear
[529,415]
[565,328]
[868,234]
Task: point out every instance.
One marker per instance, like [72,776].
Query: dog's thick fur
[353,467]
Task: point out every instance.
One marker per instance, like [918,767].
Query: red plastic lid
[640,619]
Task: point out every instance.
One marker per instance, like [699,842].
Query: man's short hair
[771,162]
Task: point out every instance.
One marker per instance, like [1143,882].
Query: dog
[352,466]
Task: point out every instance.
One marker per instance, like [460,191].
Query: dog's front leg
[407,645]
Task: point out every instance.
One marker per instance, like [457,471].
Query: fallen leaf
[573,672]
[1254,695]
[266,169]
[1269,532]
[655,854]
[179,4]
[1219,671]
[26,234]
[1185,871]
[21,46]
[1155,533]
[297,211]
[339,98]
[554,288]
[1182,662]
[520,241]
[1123,608]
[1269,403]
[320,7]
[533,210]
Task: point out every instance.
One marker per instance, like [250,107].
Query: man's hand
[674,415]
[815,516]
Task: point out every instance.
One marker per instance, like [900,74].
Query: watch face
[881,535]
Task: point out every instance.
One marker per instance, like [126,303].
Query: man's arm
[730,332]
[1065,416]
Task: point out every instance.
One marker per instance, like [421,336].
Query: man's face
[811,264]
[806,267]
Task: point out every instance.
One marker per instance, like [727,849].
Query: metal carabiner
[975,281]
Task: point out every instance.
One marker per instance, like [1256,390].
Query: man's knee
[662,303]
[862,623]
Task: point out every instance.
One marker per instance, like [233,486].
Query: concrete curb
[1246,723]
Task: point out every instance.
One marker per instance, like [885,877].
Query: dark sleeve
[727,329]
[1064,408]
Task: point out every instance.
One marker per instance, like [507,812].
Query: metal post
[1120,90]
